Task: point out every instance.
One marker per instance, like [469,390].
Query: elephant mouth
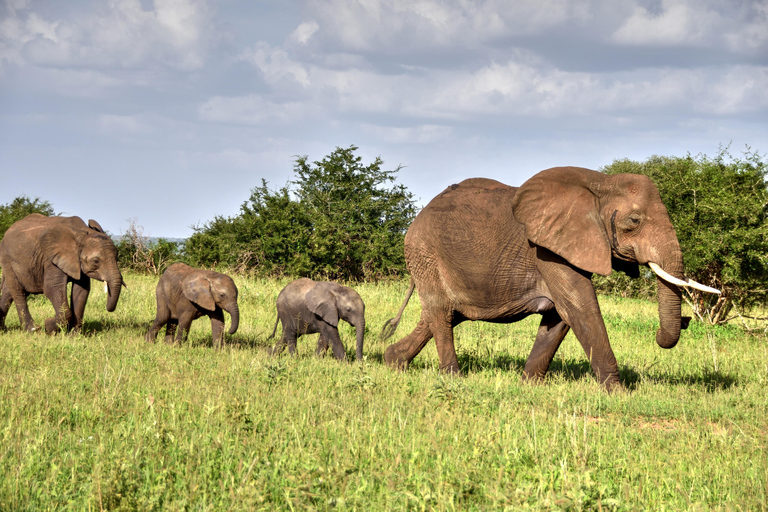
[679,282]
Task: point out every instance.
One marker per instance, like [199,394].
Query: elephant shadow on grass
[574,369]
[710,381]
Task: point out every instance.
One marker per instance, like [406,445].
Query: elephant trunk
[114,285]
[670,300]
[360,331]
[234,313]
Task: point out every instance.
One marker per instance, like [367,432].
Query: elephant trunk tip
[665,339]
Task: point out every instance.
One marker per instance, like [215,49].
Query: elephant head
[597,222]
[332,301]
[88,251]
[211,289]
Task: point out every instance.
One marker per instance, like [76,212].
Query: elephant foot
[452,370]
[532,378]
[614,386]
[395,361]
[51,326]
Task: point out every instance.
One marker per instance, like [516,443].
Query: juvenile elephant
[185,294]
[307,307]
[482,250]
[40,254]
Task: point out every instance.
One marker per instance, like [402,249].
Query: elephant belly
[508,312]
[29,282]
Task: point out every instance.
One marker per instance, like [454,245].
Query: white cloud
[422,134]
[251,110]
[677,24]
[275,64]
[173,33]
[304,31]
[740,27]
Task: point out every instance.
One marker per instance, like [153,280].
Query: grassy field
[103,420]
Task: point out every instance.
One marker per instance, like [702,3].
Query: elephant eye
[633,221]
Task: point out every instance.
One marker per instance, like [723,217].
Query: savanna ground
[103,420]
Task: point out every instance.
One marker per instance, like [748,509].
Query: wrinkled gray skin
[307,307]
[482,250]
[40,254]
[185,294]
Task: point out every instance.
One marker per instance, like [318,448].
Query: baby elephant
[306,307]
[185,293]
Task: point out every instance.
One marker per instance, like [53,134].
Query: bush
[719,208]
[339,219]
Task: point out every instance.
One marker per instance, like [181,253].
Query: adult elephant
[482,250]
[305,306]
[40,254]
[185,293]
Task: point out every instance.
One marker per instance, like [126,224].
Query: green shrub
[339,219]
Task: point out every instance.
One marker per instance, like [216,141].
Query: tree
[20,208]
[719,207]
[338,219]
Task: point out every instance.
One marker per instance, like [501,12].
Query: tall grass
[103,420]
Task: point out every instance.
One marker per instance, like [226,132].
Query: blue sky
[168,112]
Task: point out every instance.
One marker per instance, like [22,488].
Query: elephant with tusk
[482,250]
[40,254]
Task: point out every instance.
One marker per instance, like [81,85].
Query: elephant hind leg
[162,318]
[552,331]
[5,304]
[400,354]
[442,330]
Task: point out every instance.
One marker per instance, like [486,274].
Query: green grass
[103,420]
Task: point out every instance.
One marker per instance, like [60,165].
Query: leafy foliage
[339,219]
[719,207]
[20,208]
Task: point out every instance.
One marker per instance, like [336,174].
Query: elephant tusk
[679,282]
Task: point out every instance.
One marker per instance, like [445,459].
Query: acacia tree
[338,219]
[719,208]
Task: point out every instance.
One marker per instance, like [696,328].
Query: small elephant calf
[307,307]
[185,294]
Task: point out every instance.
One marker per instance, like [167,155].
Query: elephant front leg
[331,334]
[217,327]
[552,331]
[185,322]
[322,346]
[55,288]
[576,302]
[79,297]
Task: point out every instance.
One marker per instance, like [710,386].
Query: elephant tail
[274,329]
[390,326]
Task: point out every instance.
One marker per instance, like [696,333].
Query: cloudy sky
[169,111]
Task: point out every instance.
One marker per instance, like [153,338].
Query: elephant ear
[95,225]
[60,247]
[559,208]
[321,301]
[198,290]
